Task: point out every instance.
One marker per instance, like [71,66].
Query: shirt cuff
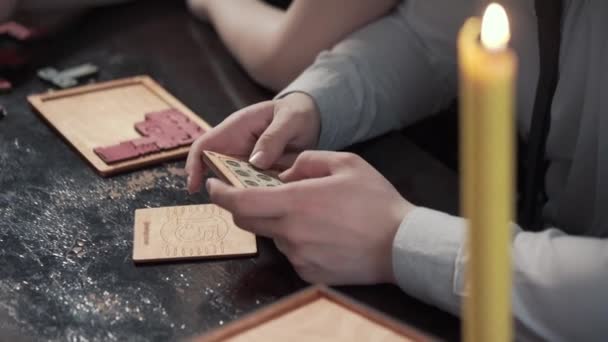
[330,91]
[427,257]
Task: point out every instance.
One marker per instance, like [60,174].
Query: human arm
[378,79]
[387,75]
[334,218]
[324,222]
[268,133]
[559,281]
[273,45]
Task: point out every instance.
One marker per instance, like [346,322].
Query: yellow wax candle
[487,79]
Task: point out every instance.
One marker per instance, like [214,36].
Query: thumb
[273,141]
[310,164]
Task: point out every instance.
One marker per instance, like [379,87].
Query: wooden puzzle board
[323,319]
[315,314]
[188,232]
[105,113]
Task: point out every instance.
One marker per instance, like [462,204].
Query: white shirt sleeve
[560,282]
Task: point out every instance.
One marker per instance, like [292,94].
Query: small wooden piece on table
[103,114]
[188,232]
[67,78]
[315,314]
[238,172]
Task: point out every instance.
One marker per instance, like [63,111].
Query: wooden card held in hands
[188,232]
[238,172]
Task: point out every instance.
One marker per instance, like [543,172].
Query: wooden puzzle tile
[127,150]
[188,232]
[238,172]
[162,131]
[168,143]
[173,122]
[118,152]
[145,145]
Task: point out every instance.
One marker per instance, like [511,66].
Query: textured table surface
[66,233]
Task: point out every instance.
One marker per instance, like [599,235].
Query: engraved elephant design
[195,227]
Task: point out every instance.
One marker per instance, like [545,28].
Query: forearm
[310,26]
[383,77]
[249,28]
[275,46]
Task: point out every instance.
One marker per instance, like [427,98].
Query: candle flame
[495,33]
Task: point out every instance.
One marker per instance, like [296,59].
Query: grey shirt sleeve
[384,76]
[560,282]
[392,73]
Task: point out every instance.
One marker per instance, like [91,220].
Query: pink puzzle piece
[127,150]
[162,131]
[16,30]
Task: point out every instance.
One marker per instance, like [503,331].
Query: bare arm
[312,26]
[276,46]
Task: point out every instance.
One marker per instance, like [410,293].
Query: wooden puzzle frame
[67,127]
[302,298]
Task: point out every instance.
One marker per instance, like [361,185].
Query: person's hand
[268,133]
[335,218]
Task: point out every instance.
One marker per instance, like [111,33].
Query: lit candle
[487,78]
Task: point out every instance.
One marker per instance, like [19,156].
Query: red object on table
[5,85]
[162,131]
[15,49]
[17,31]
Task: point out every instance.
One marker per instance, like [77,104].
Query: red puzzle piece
[162,131]
[5,85]
[16,30]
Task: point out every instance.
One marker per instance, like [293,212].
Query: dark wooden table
[66,234]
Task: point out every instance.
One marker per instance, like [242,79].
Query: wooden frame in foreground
[300,299]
